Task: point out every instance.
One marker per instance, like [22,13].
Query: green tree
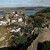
[38,22]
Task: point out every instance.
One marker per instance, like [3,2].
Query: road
[43,36]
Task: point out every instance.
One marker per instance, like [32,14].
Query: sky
[24,3]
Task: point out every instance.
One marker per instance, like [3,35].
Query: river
[25,12]
[30,12]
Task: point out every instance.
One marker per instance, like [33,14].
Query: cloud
[24,3]
[41,2]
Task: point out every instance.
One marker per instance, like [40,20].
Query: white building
[3,22]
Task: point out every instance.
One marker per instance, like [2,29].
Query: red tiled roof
[14,16]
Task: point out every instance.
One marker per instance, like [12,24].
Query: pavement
[43,36]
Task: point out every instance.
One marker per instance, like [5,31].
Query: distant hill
[23,8]
[45,10]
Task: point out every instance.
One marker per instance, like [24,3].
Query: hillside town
[24,24]
[18,29]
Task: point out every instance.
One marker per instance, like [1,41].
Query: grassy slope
[4,32]
[46,14]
